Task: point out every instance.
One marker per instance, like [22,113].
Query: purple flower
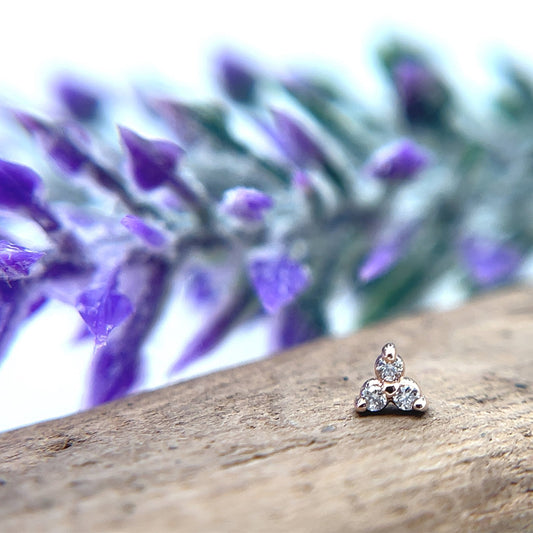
[422,94]
[145,277]
[148,234]
[399,160]
[19,185]
[58,142]
[236,77]
[296,143]
[64,151]
[277,279]
[79,100]
[246,204]
[489,262]
[103,309]
[16,261]
[152,162]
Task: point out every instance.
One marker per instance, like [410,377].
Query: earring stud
[390,385]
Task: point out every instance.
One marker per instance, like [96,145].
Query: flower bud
[16,261]
[152,162]
[246,204]
[397,161]
[19,186]
[236,78]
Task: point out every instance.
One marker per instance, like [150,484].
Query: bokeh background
[119,44]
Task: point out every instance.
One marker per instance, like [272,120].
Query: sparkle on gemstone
[408,392]
[389,371]
[375,398]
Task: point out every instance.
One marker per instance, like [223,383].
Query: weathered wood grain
[276,446]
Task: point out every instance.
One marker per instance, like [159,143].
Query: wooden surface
[276,446]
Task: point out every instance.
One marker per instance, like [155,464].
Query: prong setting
[360,405]
[420,404]
[389,352]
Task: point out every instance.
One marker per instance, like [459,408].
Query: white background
[117,42]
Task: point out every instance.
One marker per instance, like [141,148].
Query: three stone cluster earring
[390,386]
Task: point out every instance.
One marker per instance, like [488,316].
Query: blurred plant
[383,208]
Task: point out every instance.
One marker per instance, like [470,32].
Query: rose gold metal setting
[389,352]
[420,404]
[402,392]
[390,388]
[360,405]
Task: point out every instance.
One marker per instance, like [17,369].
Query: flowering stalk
[71,159]
[332,206]
[117,363]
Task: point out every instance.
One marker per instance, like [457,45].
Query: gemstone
[408,392]
[372,392]
[389,371]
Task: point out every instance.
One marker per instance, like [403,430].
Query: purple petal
[18,185]
[278,280]
[297,143]
[117,365]
[245,203]
[148,234]
[152,162]
[490,262]
[16,261]
[399,160]
[236,77]
[78,98]
[103,309]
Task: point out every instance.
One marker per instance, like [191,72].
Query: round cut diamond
[389,371]
[375,398]
[408,392]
